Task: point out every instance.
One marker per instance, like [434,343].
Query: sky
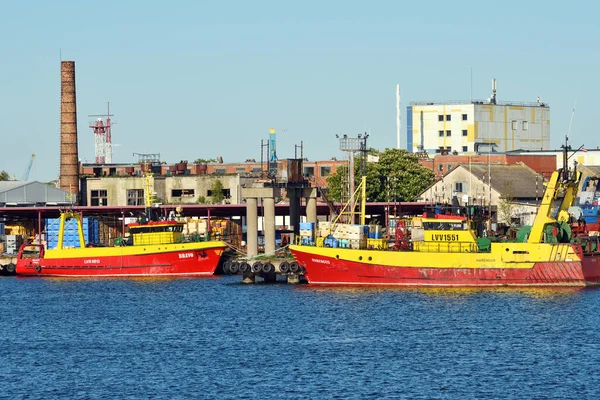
[203,79]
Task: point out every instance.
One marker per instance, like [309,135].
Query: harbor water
[216,339]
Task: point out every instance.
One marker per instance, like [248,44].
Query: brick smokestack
[69,157]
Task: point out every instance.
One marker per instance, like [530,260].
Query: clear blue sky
[190,79]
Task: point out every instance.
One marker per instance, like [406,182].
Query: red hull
[331,271]
[183,262]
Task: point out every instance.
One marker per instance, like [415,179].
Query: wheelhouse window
[443,226]
[99,197]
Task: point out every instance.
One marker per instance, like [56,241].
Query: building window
[220,171]
[256,170]
[440,118]
[448,133]
[325,171]
[448,117]
[309,171]
[135,197]
[441,133]
[226,193]
[465,148]
[182,192]
[448,149]
[240,170]
[99,197]
[441,168]
[464,132]
[514,125]
[440,150]
[464,117]
[525,125]
[449,167]
[460,187]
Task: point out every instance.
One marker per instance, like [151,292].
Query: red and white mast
[102,137]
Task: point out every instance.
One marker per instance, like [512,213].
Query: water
[216,338]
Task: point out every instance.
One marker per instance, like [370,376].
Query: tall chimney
[69,158]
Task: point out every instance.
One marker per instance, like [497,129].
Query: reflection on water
[166,338]
[450,292]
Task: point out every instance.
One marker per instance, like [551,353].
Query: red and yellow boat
[448,252]
[157,250]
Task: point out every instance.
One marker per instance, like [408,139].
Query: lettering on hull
[444,237]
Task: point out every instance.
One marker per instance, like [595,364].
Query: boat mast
[561,187]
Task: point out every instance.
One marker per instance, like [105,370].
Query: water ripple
[216,338]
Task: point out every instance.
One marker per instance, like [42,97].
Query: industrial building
[477,125]
[24,194]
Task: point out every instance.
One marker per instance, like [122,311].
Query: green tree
[397,174]
[204,160]
[4,176]
[217,192]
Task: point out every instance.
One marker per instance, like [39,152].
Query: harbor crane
[28,170]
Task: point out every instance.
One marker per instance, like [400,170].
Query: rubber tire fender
[234,267]
[284,267]
[294,267]
[244,267]
[257,267]
[268,268]
[226,266]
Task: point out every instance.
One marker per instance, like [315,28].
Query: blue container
[331,242]
[376,235]
[307,226]
[71,233]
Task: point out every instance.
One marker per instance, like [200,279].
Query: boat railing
[446,247]
[37,253]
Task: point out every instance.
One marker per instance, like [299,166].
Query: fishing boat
[157,248]
[448,250]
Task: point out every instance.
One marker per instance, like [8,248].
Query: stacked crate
[90,226]
[13,243]
[357,236]
[307,233]
[324,228]
[375,240]
[340,232]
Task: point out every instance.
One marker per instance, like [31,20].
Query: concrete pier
[269,224]
[252,226]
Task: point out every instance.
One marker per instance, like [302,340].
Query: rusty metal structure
[69,158]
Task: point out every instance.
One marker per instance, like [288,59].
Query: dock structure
[269,270]
[268,194]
